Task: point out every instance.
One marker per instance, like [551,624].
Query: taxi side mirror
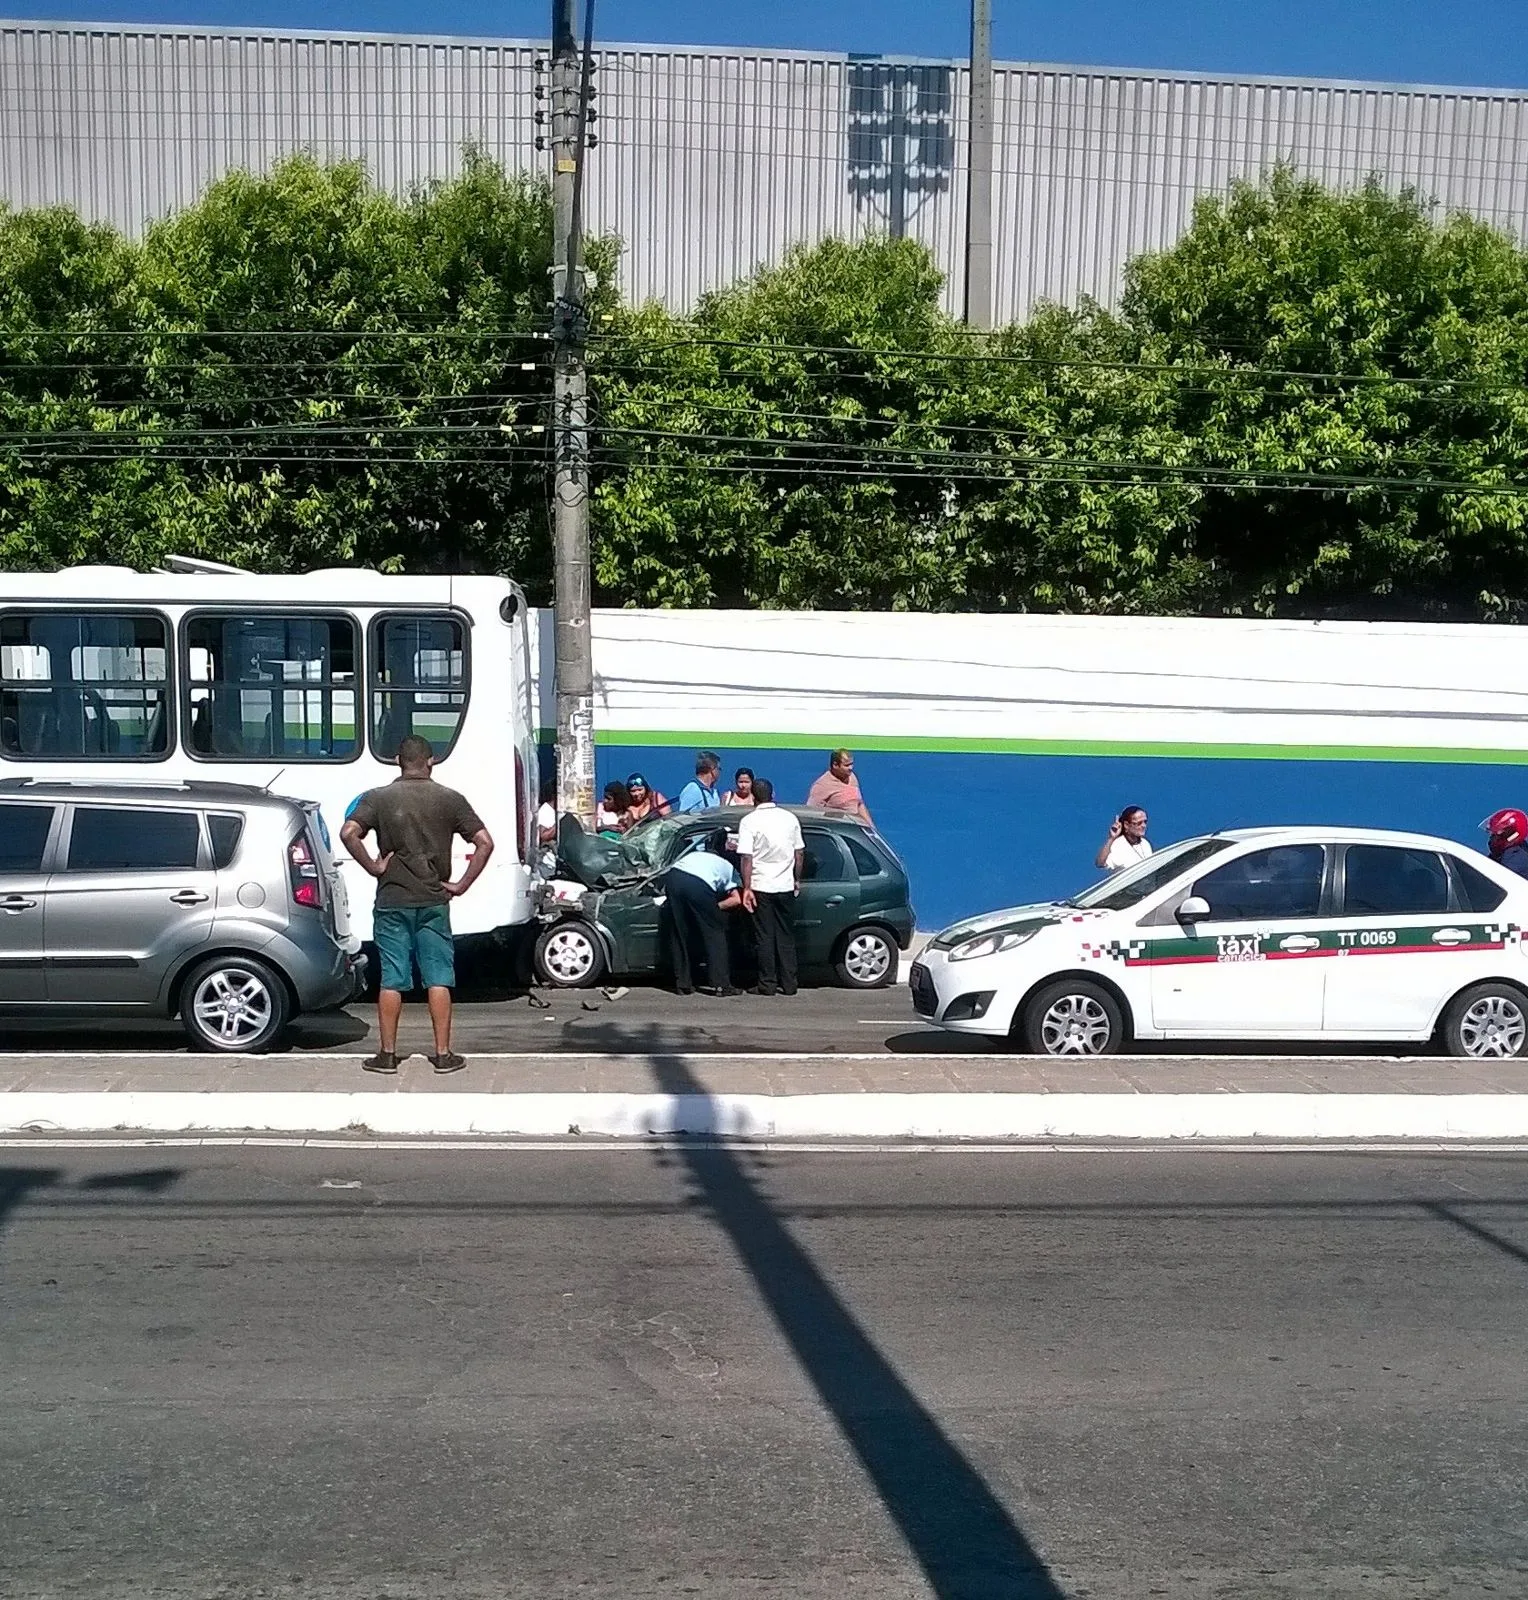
[1194,909]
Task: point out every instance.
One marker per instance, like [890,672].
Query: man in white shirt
[771,849]
[1126,841]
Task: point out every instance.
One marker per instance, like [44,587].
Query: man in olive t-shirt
[415,820]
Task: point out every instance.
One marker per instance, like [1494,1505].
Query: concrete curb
[750,1116]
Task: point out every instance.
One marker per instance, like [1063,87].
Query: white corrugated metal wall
[712,162]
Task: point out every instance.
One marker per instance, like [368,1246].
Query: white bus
[301,684]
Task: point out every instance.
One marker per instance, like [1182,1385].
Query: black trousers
[696,932]
[774,929]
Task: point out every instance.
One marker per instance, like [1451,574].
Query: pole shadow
[1446,1212]
[962,1536]
[16,1183]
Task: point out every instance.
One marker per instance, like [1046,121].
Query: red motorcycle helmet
[1504,829]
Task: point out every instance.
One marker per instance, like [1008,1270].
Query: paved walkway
[711,1073]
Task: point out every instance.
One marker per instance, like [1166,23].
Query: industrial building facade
[714,162]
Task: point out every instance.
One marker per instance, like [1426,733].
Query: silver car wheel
[866,959]
[1075,1025]
[569,956]
[1493,1027]
[233,1005]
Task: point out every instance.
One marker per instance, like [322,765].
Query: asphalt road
[642,1019]
[623,1021]
[349,1374]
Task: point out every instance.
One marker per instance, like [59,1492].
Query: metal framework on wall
[713,162]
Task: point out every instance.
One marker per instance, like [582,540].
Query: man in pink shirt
[838,789]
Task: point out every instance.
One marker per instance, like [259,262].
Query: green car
[852,916]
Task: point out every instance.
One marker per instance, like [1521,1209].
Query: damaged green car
[853,914]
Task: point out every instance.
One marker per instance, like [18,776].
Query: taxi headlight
[992,943]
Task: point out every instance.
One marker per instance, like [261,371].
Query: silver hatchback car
[217,903]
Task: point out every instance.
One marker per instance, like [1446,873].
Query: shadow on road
[18,1184]
[963,1537]
[1476,1230]
[316,1031]
[936,1042]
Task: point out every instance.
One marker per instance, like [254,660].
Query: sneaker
[449,1062]
[383,1061]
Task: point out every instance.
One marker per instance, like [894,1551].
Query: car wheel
[569,956]
[866,959]
[234,1004]
[1073,1017]
[1487,1023]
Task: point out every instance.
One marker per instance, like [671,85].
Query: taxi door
[1403,944]
[1250,968]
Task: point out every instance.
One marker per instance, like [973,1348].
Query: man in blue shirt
[698,888]
[701,795]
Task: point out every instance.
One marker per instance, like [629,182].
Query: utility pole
[573,647]
[978,310]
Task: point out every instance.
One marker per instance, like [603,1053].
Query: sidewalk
[780,1096]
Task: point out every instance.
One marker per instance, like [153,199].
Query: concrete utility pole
[978,313]
[569,92]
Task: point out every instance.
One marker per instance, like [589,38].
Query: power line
[1081,363]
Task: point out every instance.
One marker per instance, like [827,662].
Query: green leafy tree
[298,370]
[766,450]
[1313,404]
[1353,375]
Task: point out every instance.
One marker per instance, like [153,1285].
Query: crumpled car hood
[601,863]
[588,859]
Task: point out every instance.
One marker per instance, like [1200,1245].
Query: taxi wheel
[1073,1017]
[569,956]
[1487,1023]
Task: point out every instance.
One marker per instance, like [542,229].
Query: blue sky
[1428,41]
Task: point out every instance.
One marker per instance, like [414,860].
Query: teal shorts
[410,936]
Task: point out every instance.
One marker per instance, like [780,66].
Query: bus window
[267,687]
[418,682]
[84,686]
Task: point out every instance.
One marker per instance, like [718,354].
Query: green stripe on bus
[680,738]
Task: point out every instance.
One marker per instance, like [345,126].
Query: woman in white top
[1126,842]
[741,792]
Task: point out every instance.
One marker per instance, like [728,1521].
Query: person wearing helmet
[1507,839]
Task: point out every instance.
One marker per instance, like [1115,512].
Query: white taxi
[1262,933]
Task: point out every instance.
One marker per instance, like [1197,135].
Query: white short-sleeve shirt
[772,837]
[1124,854]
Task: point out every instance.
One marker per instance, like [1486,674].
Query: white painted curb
[807,1116]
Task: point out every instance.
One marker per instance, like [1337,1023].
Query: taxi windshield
[1131,885]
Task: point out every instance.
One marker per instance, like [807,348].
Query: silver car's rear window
[224,831]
